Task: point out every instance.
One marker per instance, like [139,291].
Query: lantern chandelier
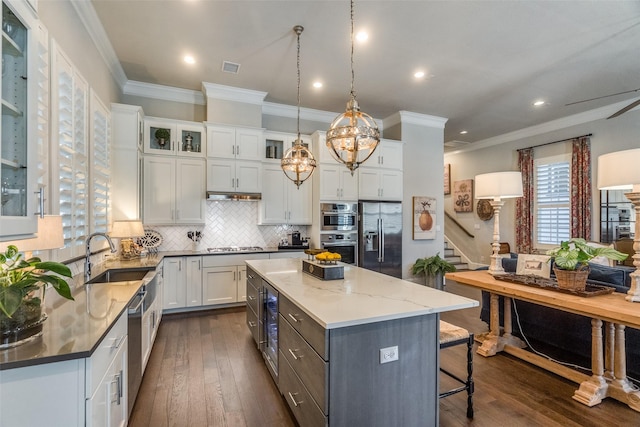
[353,136]
[297,162]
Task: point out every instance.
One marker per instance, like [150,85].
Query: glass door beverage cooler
[270,328]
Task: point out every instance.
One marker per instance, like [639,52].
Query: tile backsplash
[228,223]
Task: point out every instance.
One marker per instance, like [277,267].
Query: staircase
[451,256]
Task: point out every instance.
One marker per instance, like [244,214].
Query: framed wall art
[424,218]
[463,195]
[447,179]
[533,265]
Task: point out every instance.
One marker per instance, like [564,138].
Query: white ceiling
[487,61]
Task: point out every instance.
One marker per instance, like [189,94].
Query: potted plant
[22,289]
[571,261]
[434,269]
[162,135]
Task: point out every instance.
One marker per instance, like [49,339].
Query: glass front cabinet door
[172,137]
[17,147]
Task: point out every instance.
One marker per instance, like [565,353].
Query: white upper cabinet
[234,176]
[282,202]
[379,184]
[19,142]
[337,183]
[388,155]
[174,137]
[276,143]
[230,142]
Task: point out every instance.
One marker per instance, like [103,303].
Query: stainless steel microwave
[339,216]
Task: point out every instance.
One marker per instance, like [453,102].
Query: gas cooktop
[236,249]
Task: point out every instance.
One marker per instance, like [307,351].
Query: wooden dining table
[610,314]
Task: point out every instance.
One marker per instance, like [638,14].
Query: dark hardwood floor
[204,370]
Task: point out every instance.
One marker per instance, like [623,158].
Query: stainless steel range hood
[221,195]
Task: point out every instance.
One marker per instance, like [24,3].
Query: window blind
[553,198]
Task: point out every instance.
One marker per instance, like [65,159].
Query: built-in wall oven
[339,216]
[345,244]
[269,325]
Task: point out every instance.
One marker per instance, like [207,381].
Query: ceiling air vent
[230,67]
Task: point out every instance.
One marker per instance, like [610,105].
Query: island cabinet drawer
[310,368]
[253,278]
[253,324]
[104,354]
[253,295]
[298,398]
[311,331]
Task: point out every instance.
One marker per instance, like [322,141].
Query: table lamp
[125,230]
[621,171]
[49,236]
[497,186]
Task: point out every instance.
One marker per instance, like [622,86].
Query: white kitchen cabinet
[234,175]
[388,155]
[379,184]
[282,201]
[194,281]
[21,75]
[174,190]
[220,285]
[238,143]
[174,289]
[187,139]
[127,135]
[337,183]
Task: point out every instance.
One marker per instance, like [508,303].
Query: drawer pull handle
[251,298]
[294,355]
[119,342]
[293,399]
[252,324]
[293,318]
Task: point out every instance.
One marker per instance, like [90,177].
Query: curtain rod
[553,142]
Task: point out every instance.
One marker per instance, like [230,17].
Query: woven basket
[572,280]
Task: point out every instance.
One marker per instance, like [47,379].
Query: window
[100,165]
[552,200]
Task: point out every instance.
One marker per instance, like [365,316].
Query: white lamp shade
[49,236]
[619,170]
[498,185]
[127,228]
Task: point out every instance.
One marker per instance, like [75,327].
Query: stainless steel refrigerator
[380,237]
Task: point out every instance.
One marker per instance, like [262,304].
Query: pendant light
[353,136]
[297,162]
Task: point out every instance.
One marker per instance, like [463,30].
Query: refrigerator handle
[381,240]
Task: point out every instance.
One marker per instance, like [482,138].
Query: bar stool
[451,335]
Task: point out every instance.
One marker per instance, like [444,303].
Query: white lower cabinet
[175,290]
[193,280]
[220,285]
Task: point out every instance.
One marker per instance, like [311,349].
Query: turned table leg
[593,390]
[620,387]
[494,342]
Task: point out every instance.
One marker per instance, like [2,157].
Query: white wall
[616,134]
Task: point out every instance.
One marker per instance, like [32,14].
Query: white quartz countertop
[363,296]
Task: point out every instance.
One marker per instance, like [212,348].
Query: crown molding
[551,126]
[415,119]
[230,93]
[91,22]
[167,93]
[290,111]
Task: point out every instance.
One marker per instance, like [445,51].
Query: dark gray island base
[337,343]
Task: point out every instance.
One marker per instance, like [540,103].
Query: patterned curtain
[524,204]
[581,188]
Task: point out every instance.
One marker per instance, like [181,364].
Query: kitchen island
[362,350]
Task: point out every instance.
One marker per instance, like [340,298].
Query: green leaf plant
[19,277]
[431,266]
[575,254]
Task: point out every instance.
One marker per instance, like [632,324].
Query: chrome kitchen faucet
[87,259]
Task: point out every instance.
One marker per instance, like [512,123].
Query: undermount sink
[119,275]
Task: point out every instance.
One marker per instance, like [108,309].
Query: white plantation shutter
[69,153]
[100,164]
[43,94]
[553,201]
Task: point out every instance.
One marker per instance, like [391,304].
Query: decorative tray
[590,290]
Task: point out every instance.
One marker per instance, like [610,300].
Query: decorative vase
[161,142]
[574,280]
[435,282]
[26,323]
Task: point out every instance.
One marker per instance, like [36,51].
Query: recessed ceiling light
[362,36]
[538,103]
[418,74]
[189,59]
[317,85]
[463,132]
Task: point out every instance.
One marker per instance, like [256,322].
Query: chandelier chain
[353,91]
[298,31]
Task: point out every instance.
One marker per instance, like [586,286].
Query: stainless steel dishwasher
[138,305]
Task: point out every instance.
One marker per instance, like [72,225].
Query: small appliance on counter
[294,241]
